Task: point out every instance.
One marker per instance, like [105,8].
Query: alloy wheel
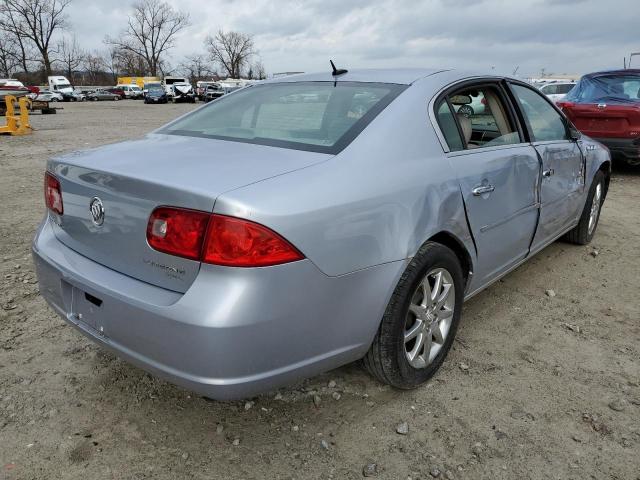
[429,317]
[595,209]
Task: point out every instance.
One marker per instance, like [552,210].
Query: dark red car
[606,107]
[116,91]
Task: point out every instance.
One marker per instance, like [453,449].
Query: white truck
[168,82]
[62,86]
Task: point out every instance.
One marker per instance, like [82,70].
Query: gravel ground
[536,386]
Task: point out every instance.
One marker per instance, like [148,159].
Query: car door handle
[591,147]
[482,189]
[548,173]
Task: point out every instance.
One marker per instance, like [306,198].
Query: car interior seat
[467,130]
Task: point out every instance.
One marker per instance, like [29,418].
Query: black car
[156,95]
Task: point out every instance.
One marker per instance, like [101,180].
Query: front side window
[544,122]
[483,117]
[314,116]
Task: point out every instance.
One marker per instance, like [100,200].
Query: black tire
[581,235]
[386,359]
[466,110]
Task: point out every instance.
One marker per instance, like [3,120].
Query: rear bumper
[627,149]
[234,333]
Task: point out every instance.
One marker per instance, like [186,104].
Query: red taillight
[217,239]
[53,194]
[240,243]
[562,105]
[177,231]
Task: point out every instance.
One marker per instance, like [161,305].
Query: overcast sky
[561,36]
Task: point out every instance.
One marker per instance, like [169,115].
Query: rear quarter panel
[596,158]
[375,202]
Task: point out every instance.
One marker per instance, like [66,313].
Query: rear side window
[544,122]
[481,116]
[314,116]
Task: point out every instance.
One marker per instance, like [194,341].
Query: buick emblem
[97,211]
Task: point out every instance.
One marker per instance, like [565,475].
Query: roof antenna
[337,71]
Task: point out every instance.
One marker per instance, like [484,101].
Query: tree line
[36,41]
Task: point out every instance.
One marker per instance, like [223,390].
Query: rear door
[498,172]
[562,182]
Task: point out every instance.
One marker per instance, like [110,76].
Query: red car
[606,107]
[116,91]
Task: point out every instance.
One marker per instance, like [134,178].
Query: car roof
[404,76]
[633,71]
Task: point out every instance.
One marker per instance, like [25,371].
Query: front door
[562,183]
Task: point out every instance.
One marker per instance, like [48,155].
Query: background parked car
[47,95]
[477,106]
[102,95]
[183,92]
[606,106]
[557,91]
[201,88]
[117,91]
[75,96]
[212,91]
[156,94]
[149,85]
[133,92]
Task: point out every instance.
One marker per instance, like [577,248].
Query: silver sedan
[309,221]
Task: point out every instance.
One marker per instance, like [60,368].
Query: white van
[130,91]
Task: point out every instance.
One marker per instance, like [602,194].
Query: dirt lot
[537,386]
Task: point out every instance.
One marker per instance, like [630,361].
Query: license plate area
[606,124]
[85,308]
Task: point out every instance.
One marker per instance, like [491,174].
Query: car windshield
[615,88]
[314,116]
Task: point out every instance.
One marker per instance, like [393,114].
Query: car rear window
[615,88]
[314,116]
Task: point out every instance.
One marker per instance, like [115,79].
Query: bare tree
[151,32]
[110,62]
[232,50]
[95,67]
[9,54]
[70,55]
[9,26]
[257,70]
[36,21]
[196,67]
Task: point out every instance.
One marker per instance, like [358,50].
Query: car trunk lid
[131,179]
[603,120]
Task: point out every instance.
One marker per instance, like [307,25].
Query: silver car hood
[132,178]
